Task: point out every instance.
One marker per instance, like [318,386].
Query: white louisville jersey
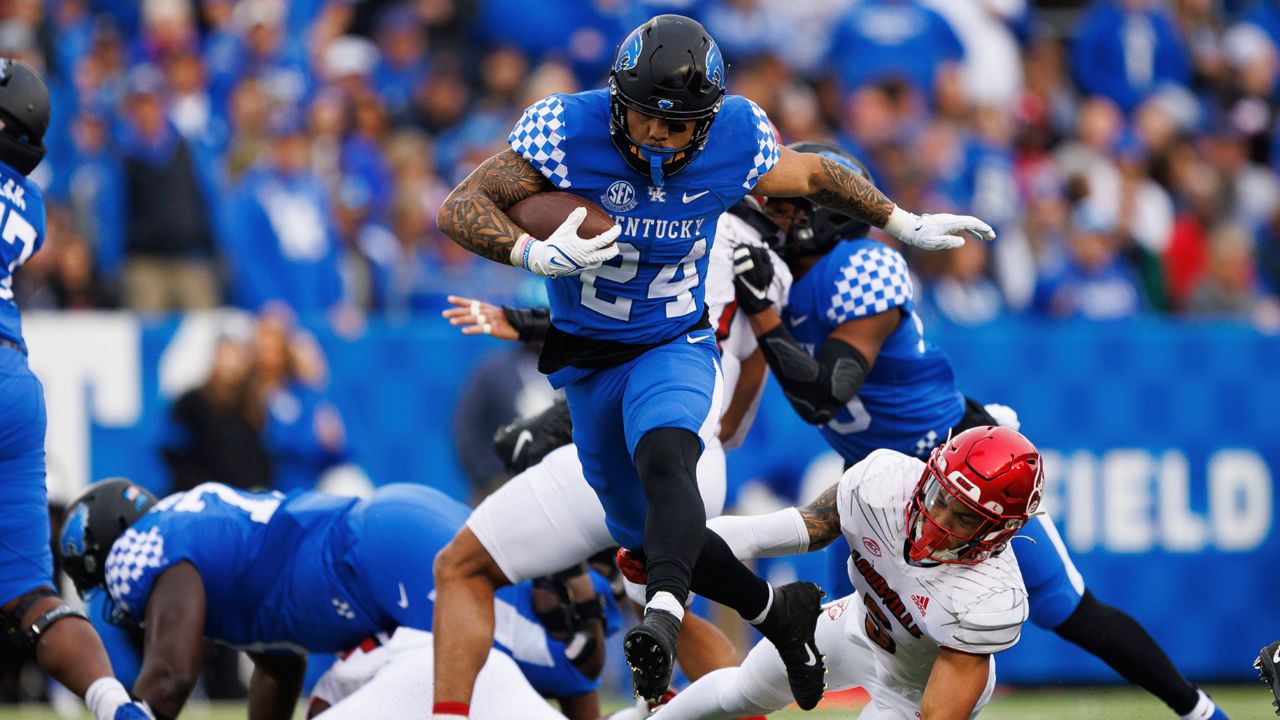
[908,610]
[733,331]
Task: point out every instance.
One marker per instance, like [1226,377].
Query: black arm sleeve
[816,387]
[530,323]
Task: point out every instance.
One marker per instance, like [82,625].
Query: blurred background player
[283,576]
[547,515]
[59,637]
[639,368]
[850,354]
[936,595]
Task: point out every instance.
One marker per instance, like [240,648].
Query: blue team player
[850,354]
[61,640]
[665,151]
[281,576]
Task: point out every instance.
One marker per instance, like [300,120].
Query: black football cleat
[650,649]
[790,625]
[1268,666]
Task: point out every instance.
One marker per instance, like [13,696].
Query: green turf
[1242,702]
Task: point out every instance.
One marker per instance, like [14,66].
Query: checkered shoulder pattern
[131,557]
[767,150]
[872,280]
[539,138]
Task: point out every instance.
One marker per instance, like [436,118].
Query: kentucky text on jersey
[655,287]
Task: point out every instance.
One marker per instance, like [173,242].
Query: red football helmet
[976,492]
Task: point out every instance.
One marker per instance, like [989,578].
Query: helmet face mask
[668,68]
[976,492]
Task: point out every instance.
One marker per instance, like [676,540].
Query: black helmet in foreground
[668,68]
[24,114]
[94,521]
[817,229]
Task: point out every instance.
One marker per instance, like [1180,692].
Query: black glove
[752,276]
[523,443]
[530,323]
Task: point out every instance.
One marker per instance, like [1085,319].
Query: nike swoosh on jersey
[799,320]
[690,198]
[691,339]
[525,437]
[403,602]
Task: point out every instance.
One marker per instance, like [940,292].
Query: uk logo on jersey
[657,194]
[619,197]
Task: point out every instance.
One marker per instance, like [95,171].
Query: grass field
[1242,702]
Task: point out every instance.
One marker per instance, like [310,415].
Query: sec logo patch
[619,197]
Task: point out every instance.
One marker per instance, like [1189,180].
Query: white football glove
[564,253]
[936,232]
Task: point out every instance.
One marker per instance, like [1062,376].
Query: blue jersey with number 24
[654,288]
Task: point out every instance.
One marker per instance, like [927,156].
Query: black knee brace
[27,637]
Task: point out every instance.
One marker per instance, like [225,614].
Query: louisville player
[938,592]
[665,151]
[547,516]
[281,576]
[60,639]
[851,355]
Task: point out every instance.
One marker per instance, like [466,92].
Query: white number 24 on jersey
[664,285]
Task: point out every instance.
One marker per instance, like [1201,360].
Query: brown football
[540,215]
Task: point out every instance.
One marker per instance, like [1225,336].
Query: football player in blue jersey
[850,354]
[280,576]
[665,150]
[60,638]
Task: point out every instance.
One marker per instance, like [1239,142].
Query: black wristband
[531,324]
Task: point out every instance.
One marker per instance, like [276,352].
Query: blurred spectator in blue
[249,126]
[73,25]
[168,28]
[303,432]
[1229,285]
[192,111]
[1266,15]
[964,294]
[992,67]
[220,46]
[441,102]
[264,49]
[362,151]
[404,64]
[881,39]
[280,237]
[586,33]
[1093,282]
[1125,50]
[95,191]
[744,28]
[170,253]
[1268,256]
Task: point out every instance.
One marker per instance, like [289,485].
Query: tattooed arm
[839,187]
[822,519]
[786,532]
[474,214]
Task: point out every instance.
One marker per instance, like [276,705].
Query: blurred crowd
[248,152]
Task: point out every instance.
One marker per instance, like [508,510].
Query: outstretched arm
[173,643]
[955,685]
[786,532]
[474,214]
[839,187]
